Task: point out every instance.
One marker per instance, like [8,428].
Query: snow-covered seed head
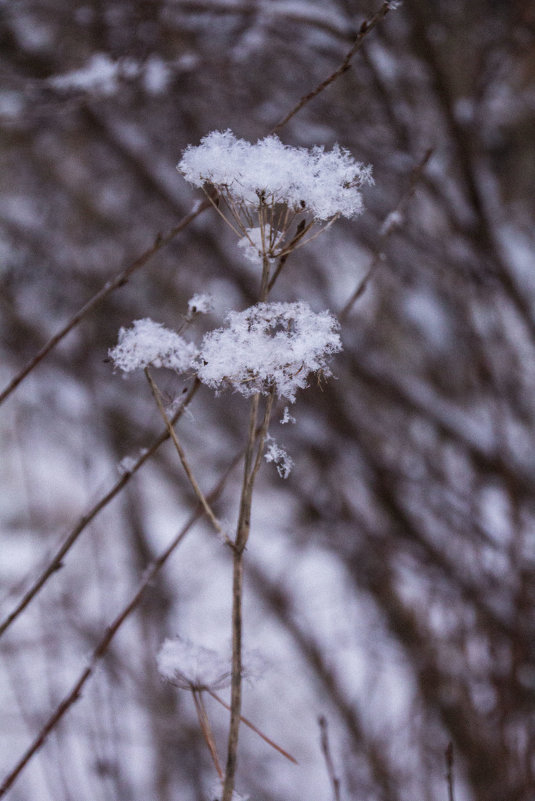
[192,667]
[274,193]
[270,347]
[149,343]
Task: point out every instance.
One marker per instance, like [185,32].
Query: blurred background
[390,579]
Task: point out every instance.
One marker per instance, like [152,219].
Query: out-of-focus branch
[120,279]
[366,28]
[57,560]
[102,646]
[388,227]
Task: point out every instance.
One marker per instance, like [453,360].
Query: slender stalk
[185,464]
[206,729]
[449,771]
[325,747]
[256,730]
[251,467]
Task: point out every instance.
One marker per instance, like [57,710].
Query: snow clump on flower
[192,667]
[149,343]
[326,184]
[270,346]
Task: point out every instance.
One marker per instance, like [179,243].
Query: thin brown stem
[326,749]
[251,466]
[185,464]
[254,728]
[377,255]
[449,771]
[206,729]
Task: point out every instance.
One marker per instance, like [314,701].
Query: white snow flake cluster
[270,346]
[280,458]
[190,666]
[149,343]
[323,183]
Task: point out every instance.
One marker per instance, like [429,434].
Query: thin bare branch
[449,771]
[248,723]
[366,27]
[185,464]
[56,563]
[326,749]
[120,279]
[102,646]
[387,230]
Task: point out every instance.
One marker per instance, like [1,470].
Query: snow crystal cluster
[270,346]
[190,666]
[325,184]
[149,343]
[280,458]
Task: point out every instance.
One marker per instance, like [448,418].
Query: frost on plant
[282,461]
[149,343]
[252,245]
[191,666]
[325,183]
[274,194]
[269,347]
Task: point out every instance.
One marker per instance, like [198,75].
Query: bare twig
[386,231]
[74,694]
[185,464]
[366,27]
[56,563]
[120,279]
[248,723]
[206,729]
[325,747]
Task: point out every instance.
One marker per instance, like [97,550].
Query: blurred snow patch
[100,74]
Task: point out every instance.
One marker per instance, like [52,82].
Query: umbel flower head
[192,667]
[275,194]
[269,347]
[149,343]
[326,184]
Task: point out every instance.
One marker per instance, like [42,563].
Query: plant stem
[251,467]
